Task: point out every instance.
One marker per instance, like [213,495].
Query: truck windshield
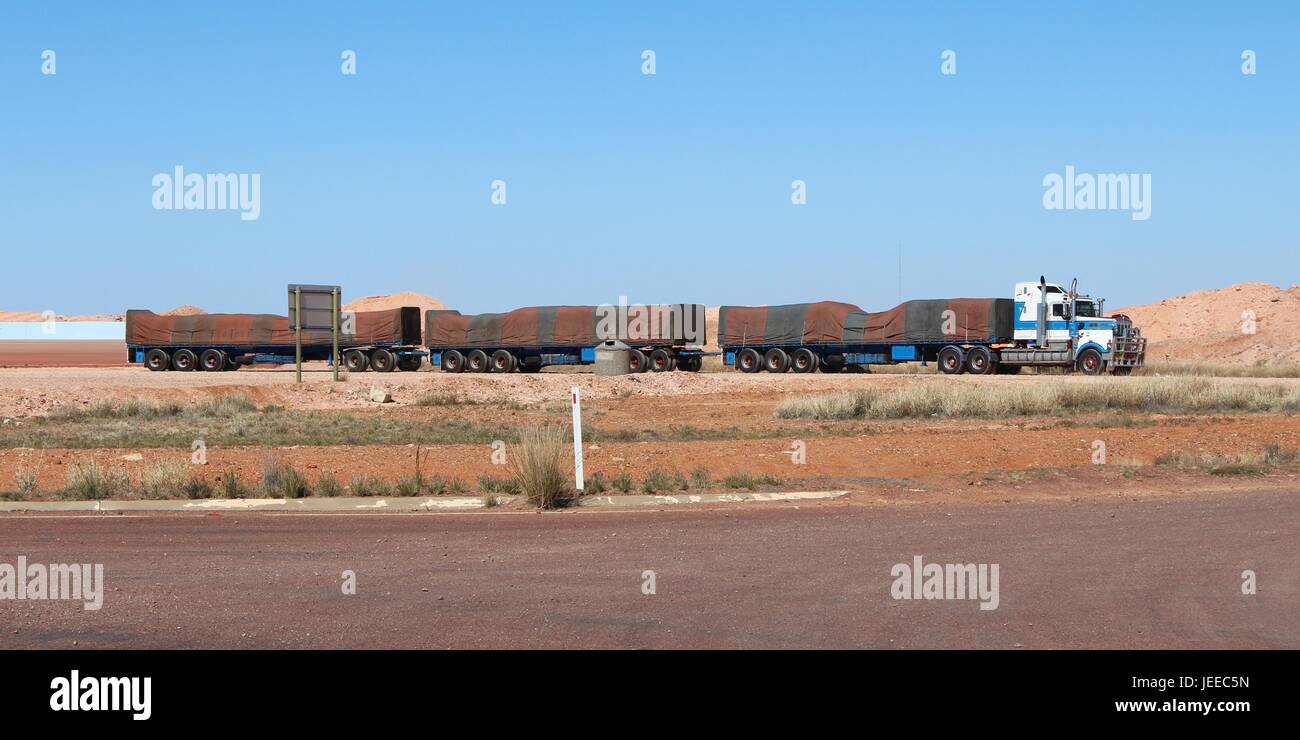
[1085,308]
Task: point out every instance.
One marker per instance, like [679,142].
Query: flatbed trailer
[385,341]
[652,357]
[529,339]
[1042,326]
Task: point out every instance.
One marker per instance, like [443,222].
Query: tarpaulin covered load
[567,326]
[399,326]
[972,319]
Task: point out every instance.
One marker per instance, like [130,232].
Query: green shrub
[329,486]
[281,480]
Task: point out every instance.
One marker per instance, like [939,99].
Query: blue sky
[671,187]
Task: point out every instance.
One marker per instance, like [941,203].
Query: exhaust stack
[1042,311]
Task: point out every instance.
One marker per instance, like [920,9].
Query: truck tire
[1126,370]
[157,360]
[951,361]
[503,361]
[409,363]
[184,360]
[382,361]
[637,362]
[776,360]
[355,361]
[212,360]
[530,364]
[476,361]
[661,361]
[452,362]
[691,363]
[803,360]
[749,361]
[831,364]
[979,361]
[1090,362]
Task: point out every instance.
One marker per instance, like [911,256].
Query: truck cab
[1055,325]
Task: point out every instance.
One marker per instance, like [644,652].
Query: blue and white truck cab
[1055,326]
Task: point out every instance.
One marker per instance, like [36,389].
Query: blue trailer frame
[871,353]
[551,354]
[273,354]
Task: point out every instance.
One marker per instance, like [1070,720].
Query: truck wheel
[749,361]
[409,363]
[157,360]
[530,365]
[661,361]
[476,361]
[803,360]
[637,362]
[184,359]
[355,361]
[453,362]
[691,364]
[1090,362]
[951,361]
[980,361]
[502,361]
[382,361]
[212,360]
[1126,370]
[776,360]
[831,364]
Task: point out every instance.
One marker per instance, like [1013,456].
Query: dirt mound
[38,316]
[186,310]
[1241,325]
[711,328]
[395,300]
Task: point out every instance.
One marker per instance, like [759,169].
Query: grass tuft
[538,466]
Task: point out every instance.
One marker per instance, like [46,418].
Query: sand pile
[395,300]
[37,316]
[1240,325]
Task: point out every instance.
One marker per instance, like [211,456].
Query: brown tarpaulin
[565,326]
[972,319]
[226,329]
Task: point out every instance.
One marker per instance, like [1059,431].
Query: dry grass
[954,400]
[538,466]
[1214,370]
[1233,464]
[90,481]
[163,479]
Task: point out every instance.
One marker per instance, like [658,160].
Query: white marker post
[577,437]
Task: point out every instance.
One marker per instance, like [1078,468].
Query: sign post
[577,437]
[297,334]
[334,356]
[314,308]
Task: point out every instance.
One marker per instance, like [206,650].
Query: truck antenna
[900,272]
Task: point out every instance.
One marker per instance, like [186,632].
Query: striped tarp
[394,326]
[946,319]
[567,326]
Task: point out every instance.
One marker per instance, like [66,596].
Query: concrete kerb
[426,503]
